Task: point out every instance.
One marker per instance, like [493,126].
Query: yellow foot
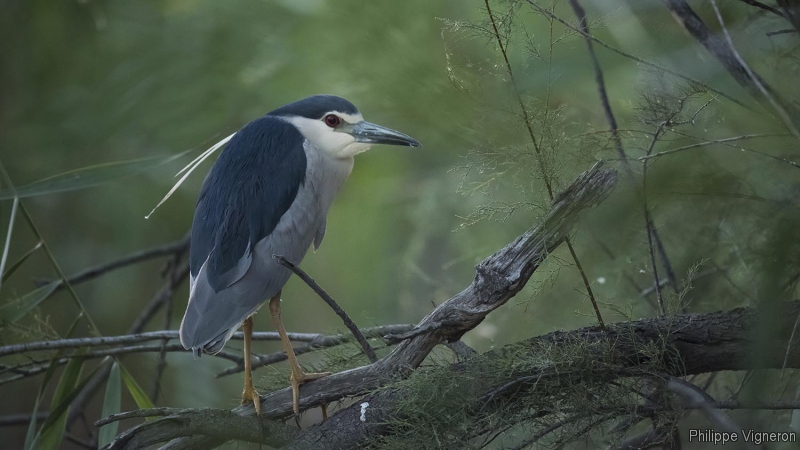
[297,380]
[250,395]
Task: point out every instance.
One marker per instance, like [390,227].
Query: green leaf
[58,410]
[31,438]
[142,400]
[19,308]
[53,428]
[111,405]
[13,268]
[88,177]
[7,246]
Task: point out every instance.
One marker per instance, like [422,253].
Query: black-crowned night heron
[268,194]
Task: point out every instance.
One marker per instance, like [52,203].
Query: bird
[268,194]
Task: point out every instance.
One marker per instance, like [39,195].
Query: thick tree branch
[695,343]
[691,344]
[498,278]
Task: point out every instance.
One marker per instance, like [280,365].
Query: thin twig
[707,143]
[148,412]
[544,432]
[54,263]
[765,7]
[648,221]
[726,54]
[47,251]
[580,13]
[698,398]
[319,342]
[756,79]
[632,57]
[160,298]
[368,350]
[172,248]
[22,371]
[84,313]
[784,31]
[650,289]
[136,338]
[586,283]
[172,266]
[745,149]
[540,160]
[13,420]
[523,109]
[789,344]
[138,325]
[665,260]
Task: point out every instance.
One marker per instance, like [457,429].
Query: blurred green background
[86,82]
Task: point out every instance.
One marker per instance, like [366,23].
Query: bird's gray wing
[248,190]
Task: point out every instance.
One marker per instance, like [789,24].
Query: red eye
[332,120]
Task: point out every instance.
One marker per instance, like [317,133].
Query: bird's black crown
[315,107]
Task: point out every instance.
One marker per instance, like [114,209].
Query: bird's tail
[212,346]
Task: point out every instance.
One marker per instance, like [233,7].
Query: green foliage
[111,405]
[87,177]
[32,436]
[53,429]
[548,395]
[136,391]
[18,263]
[18,308]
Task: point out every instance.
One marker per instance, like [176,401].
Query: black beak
[375,134]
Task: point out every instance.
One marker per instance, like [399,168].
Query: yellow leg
[298,377]
[249,394]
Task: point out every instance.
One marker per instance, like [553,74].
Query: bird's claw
[250,395]
[298,379]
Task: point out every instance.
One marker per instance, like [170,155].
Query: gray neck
[326,174]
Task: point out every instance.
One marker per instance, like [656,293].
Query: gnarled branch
[498,278]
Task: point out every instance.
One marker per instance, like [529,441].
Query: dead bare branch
[498,278]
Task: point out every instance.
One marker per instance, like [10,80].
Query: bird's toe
[250,395]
